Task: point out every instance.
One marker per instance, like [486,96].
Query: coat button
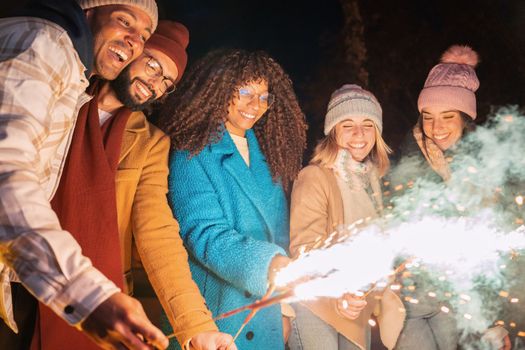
[69,309]
[247,294]
[249,335]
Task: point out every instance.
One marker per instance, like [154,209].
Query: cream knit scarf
[359,186]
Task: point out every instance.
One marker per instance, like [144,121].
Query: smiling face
[136,87]
[247,107]
[119,34]
[444,127]
[357,135]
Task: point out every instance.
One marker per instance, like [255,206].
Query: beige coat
[146,220]
[316,210]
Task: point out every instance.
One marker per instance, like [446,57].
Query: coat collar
[136,124]
[255,181]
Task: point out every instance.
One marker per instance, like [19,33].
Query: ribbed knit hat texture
[172,39]
[148,6]
[453,82]
[351,100]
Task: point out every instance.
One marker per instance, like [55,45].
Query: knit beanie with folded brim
[148,6]
[453,82]
[172,39]
[351,100]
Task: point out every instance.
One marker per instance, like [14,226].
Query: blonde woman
[340,187]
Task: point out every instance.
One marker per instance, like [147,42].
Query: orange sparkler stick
[250,316]
[265,301]
[259,304]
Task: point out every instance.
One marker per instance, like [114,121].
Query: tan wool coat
[316,210]
[146,220]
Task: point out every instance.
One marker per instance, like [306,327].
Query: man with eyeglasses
[114,144]
[48,50]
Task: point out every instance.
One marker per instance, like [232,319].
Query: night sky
[403,39]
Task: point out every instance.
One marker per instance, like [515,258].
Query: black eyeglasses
[154,69]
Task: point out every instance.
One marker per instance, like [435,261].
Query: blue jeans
[309,332]
[428,328]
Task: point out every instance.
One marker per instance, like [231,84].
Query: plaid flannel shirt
[42,85]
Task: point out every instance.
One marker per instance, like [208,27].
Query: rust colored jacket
[316,210]
[146,220]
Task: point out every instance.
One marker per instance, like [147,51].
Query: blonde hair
[326,151]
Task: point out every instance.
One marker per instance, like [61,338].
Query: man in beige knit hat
[48,51]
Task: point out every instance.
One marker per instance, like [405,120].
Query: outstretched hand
[120,323]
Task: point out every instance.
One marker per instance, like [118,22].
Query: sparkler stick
[251,315]
[259,304]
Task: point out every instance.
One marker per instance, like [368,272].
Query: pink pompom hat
[453,82]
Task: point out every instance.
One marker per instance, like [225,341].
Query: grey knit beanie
[148,6]
[351,100]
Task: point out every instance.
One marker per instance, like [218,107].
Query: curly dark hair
[193,116]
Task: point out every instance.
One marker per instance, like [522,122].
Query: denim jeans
[309,332]
[428,328]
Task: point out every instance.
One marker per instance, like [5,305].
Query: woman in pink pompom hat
[447,110]
[447,106]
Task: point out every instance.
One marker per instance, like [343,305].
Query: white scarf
[359,186]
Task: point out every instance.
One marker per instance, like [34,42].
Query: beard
[122,86]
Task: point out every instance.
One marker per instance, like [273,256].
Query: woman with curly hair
[238,134]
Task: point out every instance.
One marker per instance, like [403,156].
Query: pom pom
[461,55]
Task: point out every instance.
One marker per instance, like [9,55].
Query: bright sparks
[349,267]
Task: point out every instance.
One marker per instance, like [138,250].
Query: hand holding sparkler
[350,305]
[278,262]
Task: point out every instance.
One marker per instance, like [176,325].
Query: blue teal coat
[233,220]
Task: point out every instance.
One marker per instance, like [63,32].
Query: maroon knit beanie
[171,38]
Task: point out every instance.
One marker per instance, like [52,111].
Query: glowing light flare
[468,316]
[514,300]
[372,323]
[445,309]
[458,247]
[519,200]
[395,287]
[465,297]
[432,294]
[472,170]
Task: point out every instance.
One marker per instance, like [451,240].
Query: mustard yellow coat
[146,220]
[316,210]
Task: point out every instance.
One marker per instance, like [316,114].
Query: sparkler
[266,301]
